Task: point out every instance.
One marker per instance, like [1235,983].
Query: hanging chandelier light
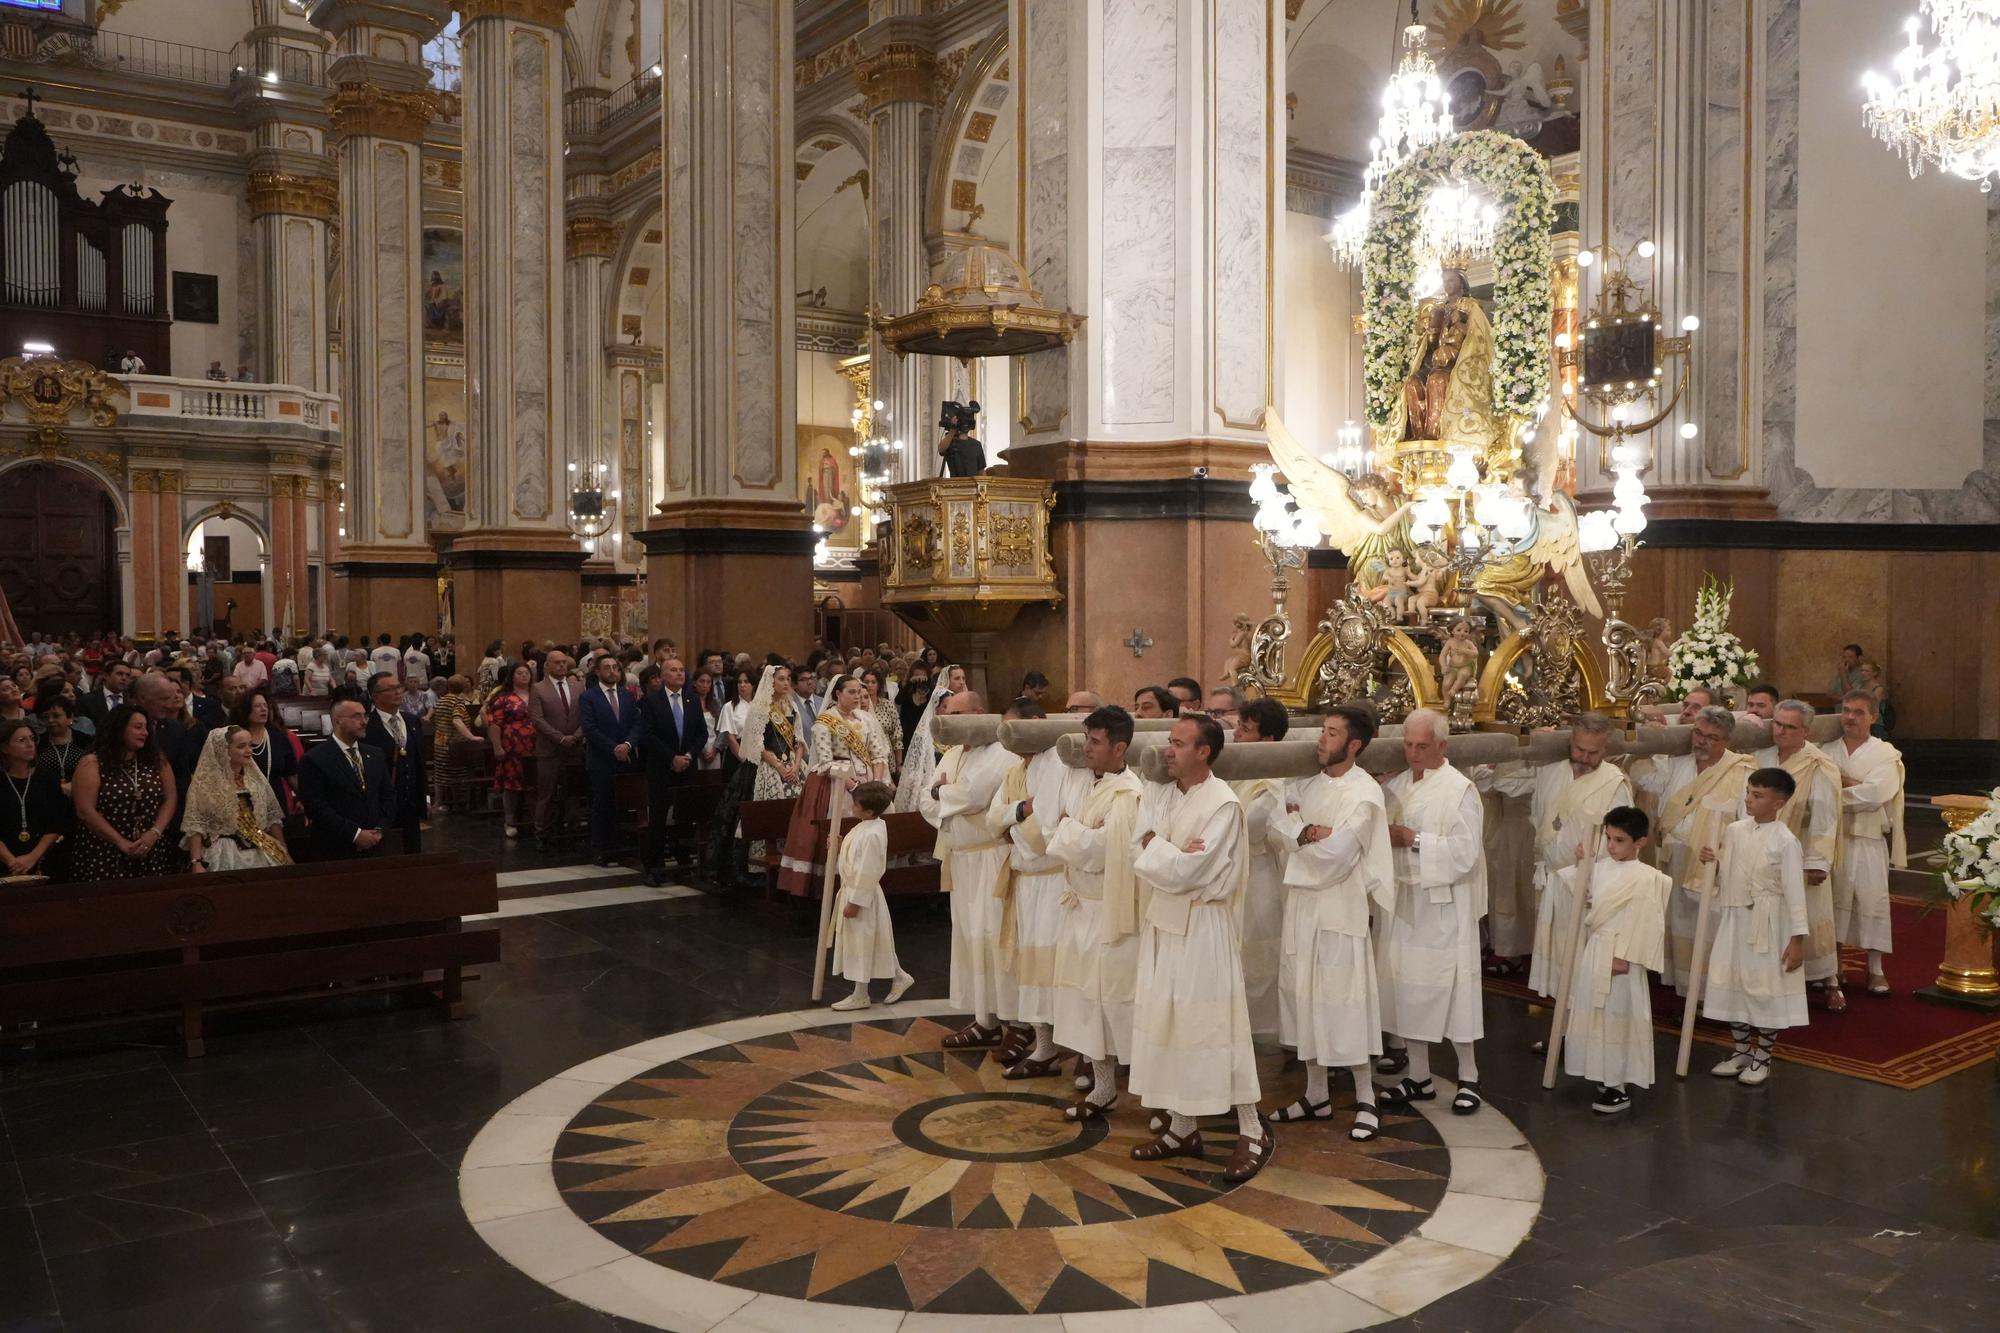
[1942,108]
[1457,226]
[1414,115]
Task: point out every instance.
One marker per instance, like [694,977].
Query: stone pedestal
[735,573]
[382,590]
[511,585]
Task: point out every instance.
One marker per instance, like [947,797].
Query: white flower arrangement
[1517,177]
[1708,656]
[1970,869]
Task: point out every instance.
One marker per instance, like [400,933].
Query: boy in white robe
[972,863]
[1097,953]
[864,946]
[1265,819]
[1328,1001]
[1437,827]
[1191,1051]
[1871,833]
[1756,982]
[1608,1034]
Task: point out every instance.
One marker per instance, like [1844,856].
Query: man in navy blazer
[673,730]
[345,787]
[609,715]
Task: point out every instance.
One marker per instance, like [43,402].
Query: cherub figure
[1659,642]
[1458,659]
[1238,660]
[1398,586]
[1430,580]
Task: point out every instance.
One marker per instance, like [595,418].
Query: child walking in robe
[1608,1035]
[864,945]
[1755,979]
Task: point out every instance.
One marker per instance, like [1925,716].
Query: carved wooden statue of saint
[1448,388]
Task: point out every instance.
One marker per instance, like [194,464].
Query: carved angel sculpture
[1353,515]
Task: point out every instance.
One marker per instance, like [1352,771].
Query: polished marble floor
[306,1173]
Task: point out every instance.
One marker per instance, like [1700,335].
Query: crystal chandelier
[1942,107]
[1414,116]
[1458,225]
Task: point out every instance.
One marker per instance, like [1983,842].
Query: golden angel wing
[1316,486]
[1556,546]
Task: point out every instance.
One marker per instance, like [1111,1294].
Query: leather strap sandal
[1393,1061]
[1025,1068]
[1168,1144]
[1016,1044]
[1467,1099]
[1249,1157]
[1084,1109]
[1367,1123]
[1303,1110]
[973,1037]
[1409,1090]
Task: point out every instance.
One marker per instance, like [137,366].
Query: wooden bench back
[765,820]
[57,923]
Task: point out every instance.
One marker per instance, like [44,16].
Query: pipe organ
[88,277]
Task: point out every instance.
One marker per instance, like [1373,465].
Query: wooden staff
[834,802]
[1698,977]
[1564,976]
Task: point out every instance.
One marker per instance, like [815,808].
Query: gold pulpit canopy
[980,304]
[963,555]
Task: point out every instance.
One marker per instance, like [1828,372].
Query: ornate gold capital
[145,481]
[548,13]
[170,482]
[367,108]
[301,196]
[899,72]
[590,237]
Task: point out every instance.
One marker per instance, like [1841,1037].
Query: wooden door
[57,555]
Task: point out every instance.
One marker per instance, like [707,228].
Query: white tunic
[1264,900]
[1760,905]
[1095,976]
[1039,880]
[1609,1035]
[1440,897]
[1328,1005]
[1510,857]
[1191,1051]
[864,946]
[1681,860]
[1861,880]
[957,810]
[1822,818]
[1556,841]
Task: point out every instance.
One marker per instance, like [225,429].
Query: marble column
[1152,137]
[897,75]
[590,240]
[385,579]
[516,567]
[1673,151]
[729,552]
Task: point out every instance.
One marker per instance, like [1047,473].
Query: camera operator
[963,454]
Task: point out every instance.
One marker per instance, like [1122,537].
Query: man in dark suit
[401,741]
[672,732]
[97,704]
[609,716]
[346,790]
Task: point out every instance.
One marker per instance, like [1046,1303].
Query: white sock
[1468,1066]
[1105,1074]
[861,989]
[1315,1083]
[1247,1123]
[1875,963]
[1391,1042]
[1180,1126]
[1045,1042]
[1420,1062]
[1364,1083]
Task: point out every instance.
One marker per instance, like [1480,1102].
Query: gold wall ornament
[899,72]
[637,169]
[50,390]
[964,555]
[961,540]
[294,195]
[1013,539]
[980,305]
[369,108]
[1543,675]
[548,13]
[920,545]
[588,236]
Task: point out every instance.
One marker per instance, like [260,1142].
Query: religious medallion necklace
[61,752]
[21,794]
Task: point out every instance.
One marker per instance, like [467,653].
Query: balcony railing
[231,401]
[628,101]
[177,62]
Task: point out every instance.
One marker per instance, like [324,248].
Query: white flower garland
[1971,865]
[1517,177]
[1708,656]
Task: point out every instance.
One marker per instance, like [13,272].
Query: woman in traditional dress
[847,748]
[911,699]
[886,714]
[233,820]
[512,733]
[273,748]
[125,801]
[920,752]
[35,813]
[455,719]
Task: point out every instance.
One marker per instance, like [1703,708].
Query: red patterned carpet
[1899,1040]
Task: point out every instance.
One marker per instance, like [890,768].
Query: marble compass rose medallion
[795,1167]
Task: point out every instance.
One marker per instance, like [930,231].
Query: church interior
[538,538]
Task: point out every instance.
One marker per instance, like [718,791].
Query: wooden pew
[766,822]
[76,956]
[910,834]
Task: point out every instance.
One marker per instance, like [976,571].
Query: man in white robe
[1436,825]
[1700,793]
[1871,834]
[1328,1006]
[1569,800]
[1191,1051]
[1097,953]
[972,860]
[1031,799]
[1813,816]
[1264,817]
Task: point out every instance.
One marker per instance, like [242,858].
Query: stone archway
[59,527]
